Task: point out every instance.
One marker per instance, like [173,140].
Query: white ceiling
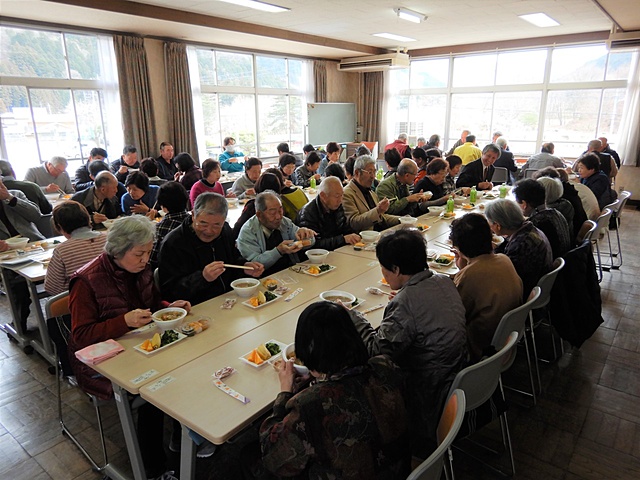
[326,25]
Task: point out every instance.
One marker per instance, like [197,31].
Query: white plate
[305,269]
[360,302]
[246,302]
[181,337]
[277,355]
[442,265]
[447,218]
[490,195]
[431,254]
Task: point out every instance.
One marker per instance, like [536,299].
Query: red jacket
[100,295]
[401,147]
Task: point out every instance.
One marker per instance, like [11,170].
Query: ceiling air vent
[374,63]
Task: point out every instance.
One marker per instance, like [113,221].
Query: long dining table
[178,379]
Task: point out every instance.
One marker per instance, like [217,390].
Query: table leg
[44,347]
[187,456]
[129,430]
[15,330]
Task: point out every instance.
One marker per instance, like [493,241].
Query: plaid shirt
[168,223]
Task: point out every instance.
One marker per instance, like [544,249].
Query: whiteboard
[331,122]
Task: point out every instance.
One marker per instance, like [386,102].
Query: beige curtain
[320,80]
[371,105]
[182,129]
[138,120]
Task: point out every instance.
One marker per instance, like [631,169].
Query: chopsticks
[443,245]
[226,265]
[14,237]
[61,191]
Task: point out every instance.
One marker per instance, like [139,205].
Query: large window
[259,100]
[567,95]
[58,96]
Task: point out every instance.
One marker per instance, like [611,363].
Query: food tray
[246,302]
[270,361]
[181,336]
[305,269]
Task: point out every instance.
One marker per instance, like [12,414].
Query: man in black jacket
[83,179]
[479,172]
[325,215]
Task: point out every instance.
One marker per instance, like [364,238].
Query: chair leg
[504,425]
[600,276]
[617,254]
[531,394]
[535,350]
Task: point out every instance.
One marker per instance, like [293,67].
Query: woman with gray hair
[526,246]
[109,296]
[553,198]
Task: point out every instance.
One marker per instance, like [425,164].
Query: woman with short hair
[594,178]
[308,433]
[140,197]
[188,173]
[172,200]
[287,165]
[211,173]
[436,173]
[309,169]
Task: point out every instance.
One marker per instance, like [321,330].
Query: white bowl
[291,348]
[52,197]
[17,242]
[369,236]
[245,287]
[165,325]
[407,220]
[346,298]
[232,201]
[436,210]
[317,255]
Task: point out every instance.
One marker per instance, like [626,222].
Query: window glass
[429,111]
[572,118]
[206,66]
[84,60]
[399,80]
[429,73]
[399,115]
[55,122]
[611,113]
[17,128]
[578,64]
[618,65]
[474,71]
[296,78]
[271,72]
[29,53]
[234,69]
[472,111]
[88,107]
[516,68]
[238,120]
[516,114]
[212,136]
[296,123]
[273,122]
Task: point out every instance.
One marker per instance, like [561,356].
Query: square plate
[17,260]
[442,215]
[442,265]
[246,302]
[280,344]
[181,337]
[305,269]
[360,302]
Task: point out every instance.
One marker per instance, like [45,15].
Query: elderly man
[468,151]
[400,144]
[32,191]
[51,176]
[607,163]
[271,238]
[544,159]
[421,142]
[192,256]
[166,168]
[17,217]
[460,141]
[396,188]
[83,180]
[128,161]
[506,158]
[361,205]
[101,200]
[606,148]
[325,215]
[480,172]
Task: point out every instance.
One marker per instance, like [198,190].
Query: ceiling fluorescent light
[539,20]
[397,38]
[410,15]
[255,4]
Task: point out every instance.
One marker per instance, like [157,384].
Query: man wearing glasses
[361,205]
[51,176]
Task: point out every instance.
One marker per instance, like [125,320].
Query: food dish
[269,297]
[369,236]
[443,260]
[407,220]
[289,353]
[338,296]
[497,240]
[435,210]
[468,206]
[169,318]
[431,254]
[317,255]
[179,338]
[249,356]
[448,215]
[245,287]
[17,243]
[316,271]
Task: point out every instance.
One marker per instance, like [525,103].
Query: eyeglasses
[370,172]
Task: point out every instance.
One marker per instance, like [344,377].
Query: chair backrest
[546,284]
[500,175]
[624,196]
[603,220]
[156,278]
[614,206]
[448,427]
[586,232]
[57,305]
[480,380]
[530,172]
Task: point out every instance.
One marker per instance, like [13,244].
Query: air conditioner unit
[618,39]
[374,63]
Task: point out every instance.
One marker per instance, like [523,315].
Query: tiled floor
[586,424]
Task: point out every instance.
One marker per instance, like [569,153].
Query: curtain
[629,144]
[372,98]
[138,121]
[320,80]
[179,100]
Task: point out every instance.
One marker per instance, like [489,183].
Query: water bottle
[451,205]
[312,182]
[503,191]
[473,196]
[380,174]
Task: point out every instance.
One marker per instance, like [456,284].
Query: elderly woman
[553,199]
[433,182]
[347,384]
[487,282]
[140,196]
[72,220]
[526,245]
[422,331]
[109,296]
[595,179]
[188,173]
[308,170]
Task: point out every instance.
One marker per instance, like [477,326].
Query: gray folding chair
[529,172]
[500,175]
[616,208]
[602,229]
[448,427]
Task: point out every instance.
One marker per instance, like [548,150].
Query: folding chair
[529,173]
[586,232]
[616,208]
[500,175]
[479,382]
[516,321]
[448,427]
[602,229]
